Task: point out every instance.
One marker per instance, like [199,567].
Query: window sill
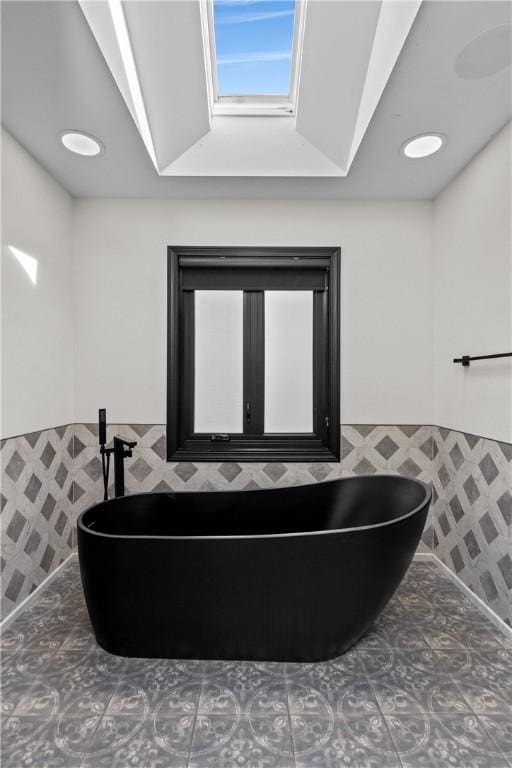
[264,451]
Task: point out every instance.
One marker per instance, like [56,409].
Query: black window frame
[258,269]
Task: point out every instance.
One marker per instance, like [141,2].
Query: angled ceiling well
[349,52]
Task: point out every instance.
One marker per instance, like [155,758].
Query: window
[253,52]
[253,354]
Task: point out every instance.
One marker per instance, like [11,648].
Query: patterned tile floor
[430,685]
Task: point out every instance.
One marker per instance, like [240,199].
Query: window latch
[219,438]
[248,413]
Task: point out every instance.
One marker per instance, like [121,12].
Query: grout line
[31,598]
[196,715]
[115,687]
[380,710]
[491,736]
[388,730]
[483,607]
[289,714]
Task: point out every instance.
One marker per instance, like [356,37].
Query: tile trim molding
[482,607]
[36,431]
[33,596]
[344,424]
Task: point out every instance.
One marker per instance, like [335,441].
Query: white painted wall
[105,317]
[37,382]
[120,296]
[473,294]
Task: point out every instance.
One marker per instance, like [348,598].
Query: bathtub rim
[425,502]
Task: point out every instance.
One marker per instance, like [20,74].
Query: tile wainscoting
[365,449]
[470,476]
[471,531]
[37,521]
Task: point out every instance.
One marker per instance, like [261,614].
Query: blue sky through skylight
[253,41]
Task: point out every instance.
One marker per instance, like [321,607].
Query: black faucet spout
[122,450]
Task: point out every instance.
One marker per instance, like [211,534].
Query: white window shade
[218,385]
[288,361]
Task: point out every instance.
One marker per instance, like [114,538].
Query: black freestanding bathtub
[295,574]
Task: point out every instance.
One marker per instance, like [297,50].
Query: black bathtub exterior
[289,574]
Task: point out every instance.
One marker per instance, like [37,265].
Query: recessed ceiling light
[422,146]
[81,143]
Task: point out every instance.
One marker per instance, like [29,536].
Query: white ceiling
[54,77]
[342,77]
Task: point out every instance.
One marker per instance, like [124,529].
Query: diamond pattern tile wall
[405,450]
[473,514]
[365,449]
[50,477]
[36,520]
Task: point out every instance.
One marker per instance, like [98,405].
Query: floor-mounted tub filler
[291,574]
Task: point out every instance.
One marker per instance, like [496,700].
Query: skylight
[253,52]
[253,43]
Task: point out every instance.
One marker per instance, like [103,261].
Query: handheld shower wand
[105,452]
[102,426]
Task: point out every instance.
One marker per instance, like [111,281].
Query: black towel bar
[466,359]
